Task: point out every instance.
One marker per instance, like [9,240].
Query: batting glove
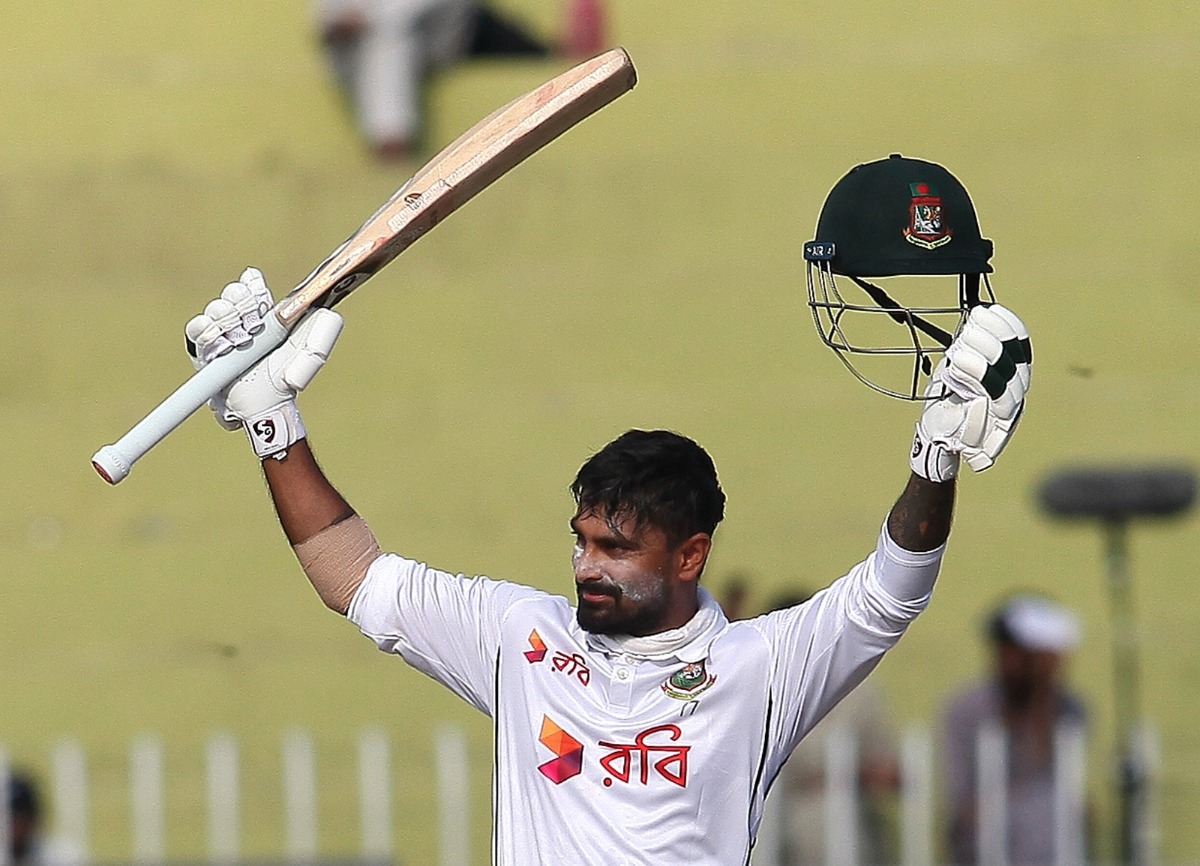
[975,396]
[263,400]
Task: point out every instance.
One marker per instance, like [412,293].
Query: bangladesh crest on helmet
[926,228]
[689,681]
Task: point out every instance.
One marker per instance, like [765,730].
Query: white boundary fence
[67,793]
[918,811]
[921,814]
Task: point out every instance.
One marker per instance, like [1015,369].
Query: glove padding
[975,396]
[262,401]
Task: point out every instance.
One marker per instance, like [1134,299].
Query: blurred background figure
[28,845]
[734,595]
[1025,696]
[383,51]
[802,785]
[24,816]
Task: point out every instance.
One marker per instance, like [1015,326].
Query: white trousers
[384,69]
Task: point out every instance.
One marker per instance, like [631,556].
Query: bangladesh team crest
[687,683]
[926,227]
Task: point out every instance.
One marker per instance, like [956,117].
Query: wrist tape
[931,459]
[274,431]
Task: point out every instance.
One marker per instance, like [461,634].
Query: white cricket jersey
[607,759]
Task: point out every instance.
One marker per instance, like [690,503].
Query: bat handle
[114,462]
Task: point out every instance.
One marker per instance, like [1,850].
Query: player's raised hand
[263,400]
[975,396]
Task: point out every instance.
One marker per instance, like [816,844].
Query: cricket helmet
[895,218]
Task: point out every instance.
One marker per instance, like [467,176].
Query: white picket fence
[68,792]
[919,810]
[921,814]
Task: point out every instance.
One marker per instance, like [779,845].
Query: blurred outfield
[645,270]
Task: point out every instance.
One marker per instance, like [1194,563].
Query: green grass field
[645,270]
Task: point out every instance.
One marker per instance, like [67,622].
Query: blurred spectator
[27,844]
[802,785]
[24,816]
[733,596]
[1025,696]
[383,51]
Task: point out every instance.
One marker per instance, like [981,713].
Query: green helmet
[895,217]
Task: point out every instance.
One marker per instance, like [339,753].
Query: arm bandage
[336,560]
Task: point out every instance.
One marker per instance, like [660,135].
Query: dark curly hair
[656,477]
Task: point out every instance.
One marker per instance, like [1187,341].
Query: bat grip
[114,462]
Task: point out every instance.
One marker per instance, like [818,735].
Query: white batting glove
[263,400]
[977,394]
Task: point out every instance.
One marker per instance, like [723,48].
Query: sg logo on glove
[264,430]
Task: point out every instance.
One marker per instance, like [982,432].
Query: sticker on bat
[343,287]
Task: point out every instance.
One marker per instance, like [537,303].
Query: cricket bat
[448,181]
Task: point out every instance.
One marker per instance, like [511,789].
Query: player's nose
[586,567]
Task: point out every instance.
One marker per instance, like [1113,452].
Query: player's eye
[616,546]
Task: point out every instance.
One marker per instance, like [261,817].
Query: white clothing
[1031,802]
[401,41]
[605,758]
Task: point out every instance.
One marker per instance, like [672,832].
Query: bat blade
[453,177]
[470,163]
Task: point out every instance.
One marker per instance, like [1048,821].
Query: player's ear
[691,554]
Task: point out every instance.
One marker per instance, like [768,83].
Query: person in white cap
[1026,698]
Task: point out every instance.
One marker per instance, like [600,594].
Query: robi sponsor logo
[573,665]
[668,761]
[569,751]
[535,655]
[654,755]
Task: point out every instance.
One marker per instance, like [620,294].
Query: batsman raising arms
[634,723]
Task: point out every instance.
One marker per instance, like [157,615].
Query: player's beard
[625,610]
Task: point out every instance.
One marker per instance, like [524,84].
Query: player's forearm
[334,546]
[304,499]
[920,520]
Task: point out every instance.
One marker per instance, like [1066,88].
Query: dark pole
[1131,774]
[1114,497]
